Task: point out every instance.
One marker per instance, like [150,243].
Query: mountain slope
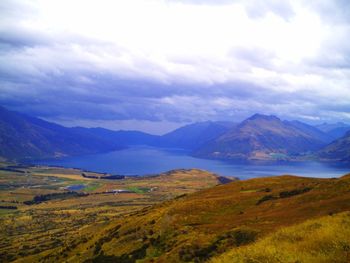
[339,150]
[202,225]
[263,137]
[312,131]
[339,132]
[317,240]
[22,137]
[335,130]
[194,135]
[327,127]
[125,138]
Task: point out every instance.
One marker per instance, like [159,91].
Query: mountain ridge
[338,150]
[261,136]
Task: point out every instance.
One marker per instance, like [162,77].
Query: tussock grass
[320,240]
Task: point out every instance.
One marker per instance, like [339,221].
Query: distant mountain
[264,137]
[339,132]
[327,127]
[339,150]
[258,137]
[194,135]
[312,131]
[335,130]
[125,138]
[24,137]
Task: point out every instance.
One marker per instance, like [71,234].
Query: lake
[144,160]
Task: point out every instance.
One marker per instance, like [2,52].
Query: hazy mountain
[22,136]
[311,130]
[339,132]
[125,138]
[327,127]
[335,130]
[258,137]
[339,150]
[263,137]
[194,135]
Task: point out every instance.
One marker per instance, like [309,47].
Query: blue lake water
[144,160]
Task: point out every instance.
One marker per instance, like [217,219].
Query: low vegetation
[201,226]
[321,240]
[179,216]
[41,221]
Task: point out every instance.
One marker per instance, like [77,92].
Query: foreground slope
[322,240]
[196,227]
[264,137]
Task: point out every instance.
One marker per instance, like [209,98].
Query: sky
[154,65]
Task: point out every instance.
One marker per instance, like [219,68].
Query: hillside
[199,226]
[22,137]
[335,130]
[40,216]
[120,137]
[325,240]
[194,135]
[264,137]
[339,150]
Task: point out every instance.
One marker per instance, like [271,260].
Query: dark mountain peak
[264,137]
[258,116]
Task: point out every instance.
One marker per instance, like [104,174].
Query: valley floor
[39,216]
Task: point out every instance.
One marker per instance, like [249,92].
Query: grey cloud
[254,56]
[331,11]
[257,9]
[254,8]
[61,76]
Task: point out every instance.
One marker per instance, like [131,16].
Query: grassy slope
[207,223]
[31,232]
[322,240]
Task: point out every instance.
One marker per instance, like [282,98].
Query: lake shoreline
[145,160]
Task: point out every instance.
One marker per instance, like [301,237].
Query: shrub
[286,194]
[266,198]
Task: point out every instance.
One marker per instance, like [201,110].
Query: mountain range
[259,137]
[265,137]
[25,137]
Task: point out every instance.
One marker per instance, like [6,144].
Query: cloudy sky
[153,65]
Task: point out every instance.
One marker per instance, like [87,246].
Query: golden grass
[150,226]
[322,240]
[53,228]
[205,224]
